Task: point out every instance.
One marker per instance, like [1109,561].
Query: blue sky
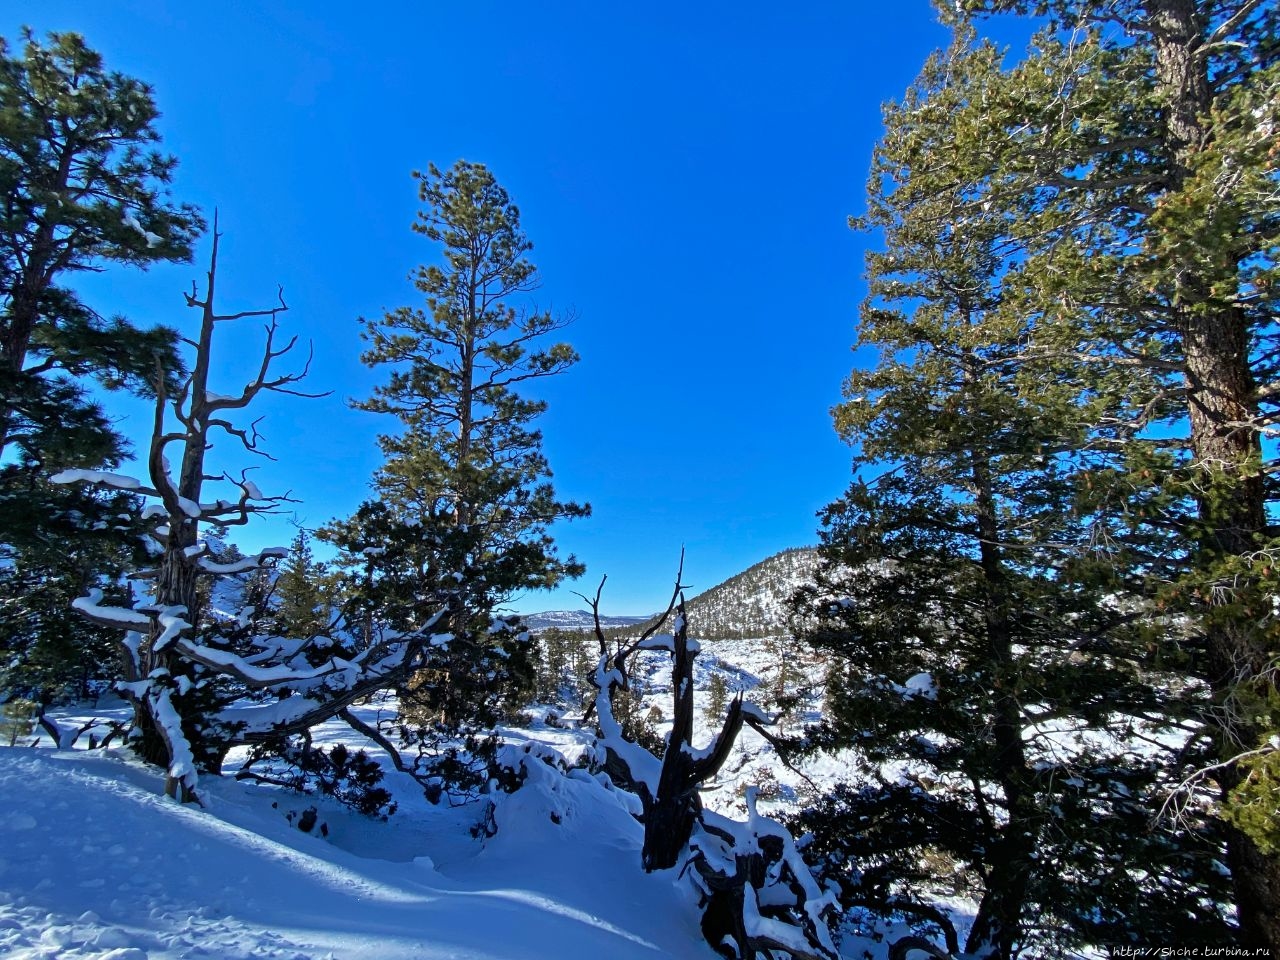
[684,170]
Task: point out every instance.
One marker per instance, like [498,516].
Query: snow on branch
[102,478]
[182,764]
[92,609]
[243,565]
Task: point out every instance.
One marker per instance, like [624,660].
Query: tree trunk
[177,579]
[996,929]
[670,816]
[1220,397]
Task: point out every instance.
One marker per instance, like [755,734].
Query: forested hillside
[755,602]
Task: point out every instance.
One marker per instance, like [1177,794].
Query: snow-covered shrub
[352,778]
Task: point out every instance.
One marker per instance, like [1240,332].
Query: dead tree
[731,863]
[170,664]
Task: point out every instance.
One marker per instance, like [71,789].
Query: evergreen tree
[78,192]
[56,543]
[1133,151]
[76,541]
[81,188]
[563,665]
[464,500]
[717,697]
[993,658]
[301,599]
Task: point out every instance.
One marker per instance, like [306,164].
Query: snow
[559,880]
[922,685]
[260,676]
[771,931]
[755,713]
[96,865]
[243,565]
[117,480]
[665,641]
[182,765]
[172,624]
[119,616]
[576,620]
[189,507]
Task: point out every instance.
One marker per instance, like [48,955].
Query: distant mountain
[576,620]
[752,603]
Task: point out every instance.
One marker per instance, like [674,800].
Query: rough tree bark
[1221,399]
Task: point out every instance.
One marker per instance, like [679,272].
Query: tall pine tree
[81,188]
[1133,150]
[993,658]
[463,503]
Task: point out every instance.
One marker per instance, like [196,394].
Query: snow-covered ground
[95,864]
[576,620]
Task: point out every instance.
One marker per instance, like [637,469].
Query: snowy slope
[96,865]
[753,603]
[575,620]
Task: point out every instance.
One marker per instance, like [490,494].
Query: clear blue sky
[684,170]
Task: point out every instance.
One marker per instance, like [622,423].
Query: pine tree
[59,544]
[780,651]
[55,543]
[563,666]
[464,499]
[82,188]
[77,189]
[973,611]
[301,601]
[717,697]
[1134,148]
